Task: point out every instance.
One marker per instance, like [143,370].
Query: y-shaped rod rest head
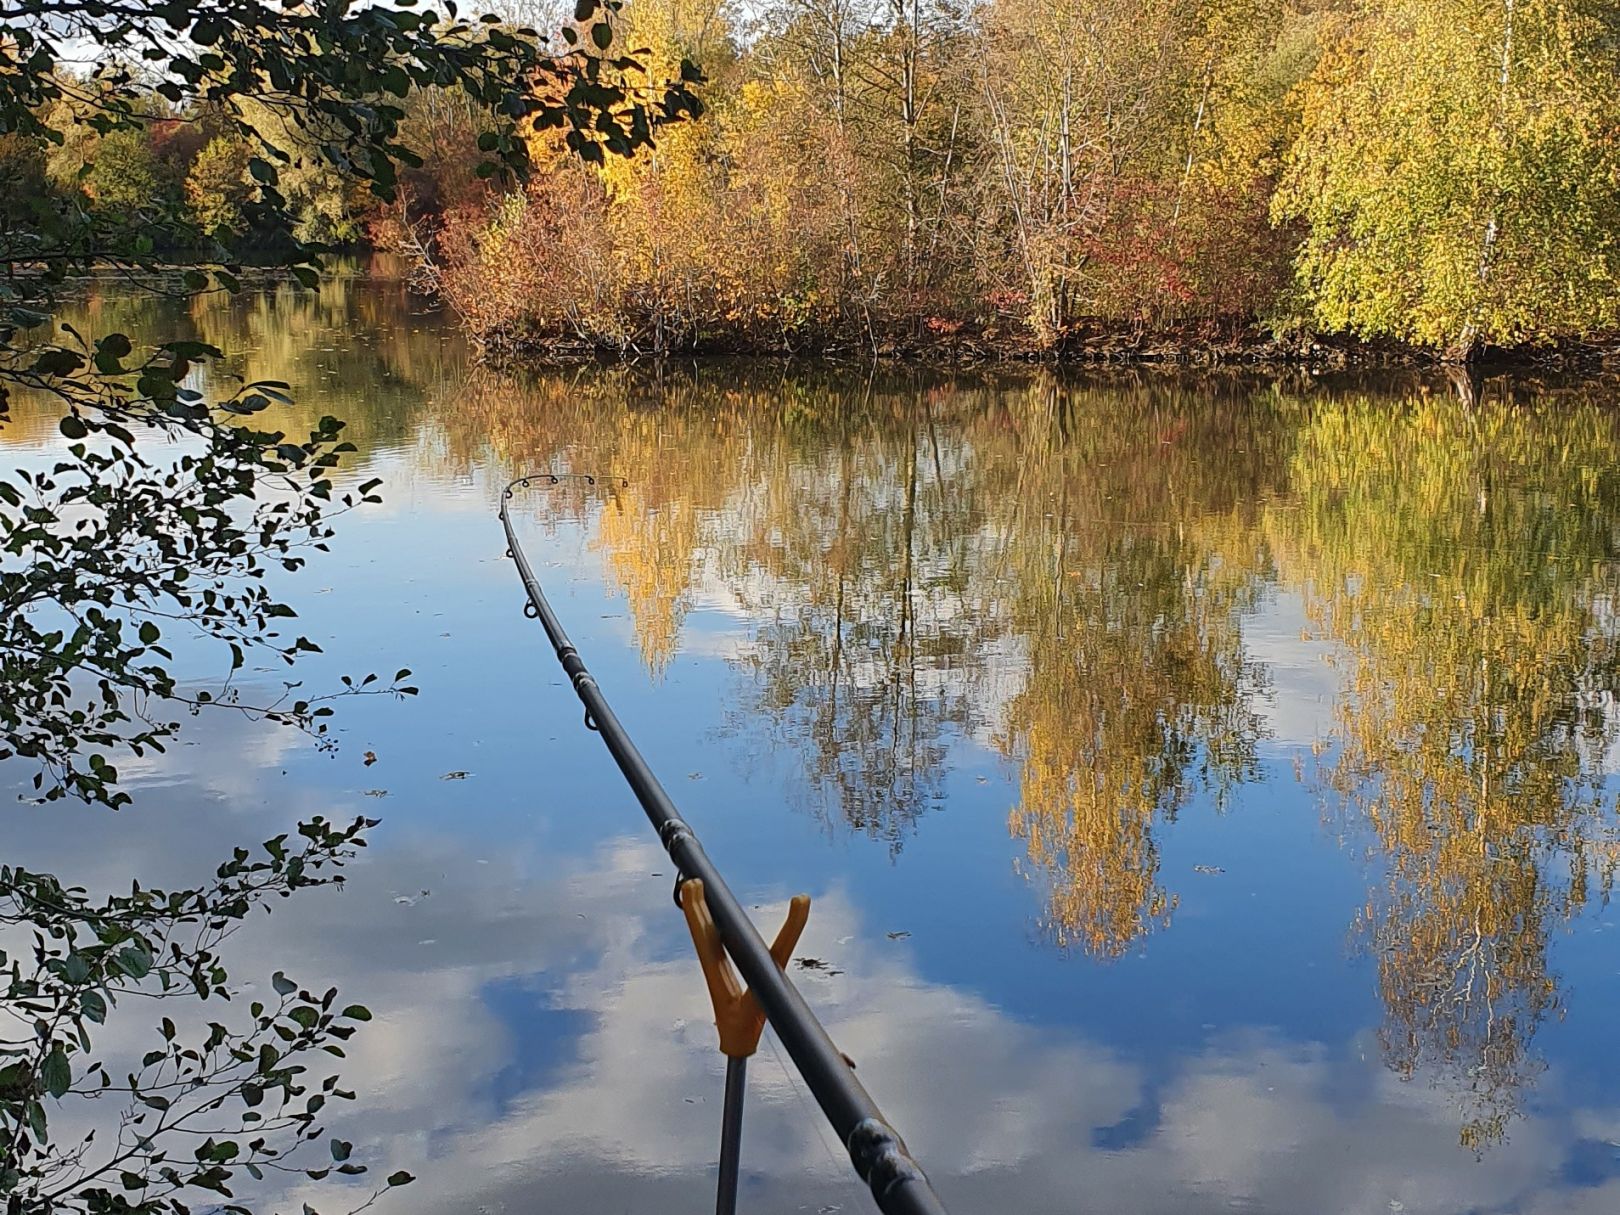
[737,1014]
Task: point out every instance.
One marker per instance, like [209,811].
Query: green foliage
[22,167]
[218,187]
[104,546]
[124,175]
[190,541]
[196,127]
[336,75]
[1459,174]
[238,1096]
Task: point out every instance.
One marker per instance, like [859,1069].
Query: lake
[1206,784]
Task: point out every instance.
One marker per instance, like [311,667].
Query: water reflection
[1130,561]
[1002,622]
[545,1047]
[1109,542]
[1464,561]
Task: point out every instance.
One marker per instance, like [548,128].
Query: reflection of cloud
[1297,706]
[635,1105]
[625,1112]
[223,751]
[716,636]
[543,1044]
[1258,1120]
[1599,1200]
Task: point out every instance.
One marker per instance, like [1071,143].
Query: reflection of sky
[543,1041]
[1298,709]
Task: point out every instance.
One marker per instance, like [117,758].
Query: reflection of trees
[869,649]
[1464,559]
[1065,566]
[1129,557]
[820,506]
[896,537]
[358,350]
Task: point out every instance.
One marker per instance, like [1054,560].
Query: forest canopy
[1023,173]
[1011,175]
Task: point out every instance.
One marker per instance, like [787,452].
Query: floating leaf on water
[369,758]
[456,775]
[817,964]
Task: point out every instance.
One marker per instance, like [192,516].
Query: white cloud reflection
[623,1114]
[542,1043]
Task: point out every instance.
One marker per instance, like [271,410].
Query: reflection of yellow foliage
[649,549]
[1131,568]
[1086,815]
[1127,701]
[861,536]
[1462,557]
[379,385]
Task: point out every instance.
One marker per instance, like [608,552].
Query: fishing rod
[720,927]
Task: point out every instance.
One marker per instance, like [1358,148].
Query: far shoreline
[1096,343]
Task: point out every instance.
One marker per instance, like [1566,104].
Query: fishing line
[798,1093]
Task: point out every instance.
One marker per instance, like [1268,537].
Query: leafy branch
[242,1098]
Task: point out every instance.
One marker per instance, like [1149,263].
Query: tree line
[1010,176]
[1050,175]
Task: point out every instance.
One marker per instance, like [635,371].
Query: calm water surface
[1206,787]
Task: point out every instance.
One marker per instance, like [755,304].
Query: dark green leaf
[56,1075]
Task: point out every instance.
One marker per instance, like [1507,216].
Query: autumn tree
[218,186]
[1458,174]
